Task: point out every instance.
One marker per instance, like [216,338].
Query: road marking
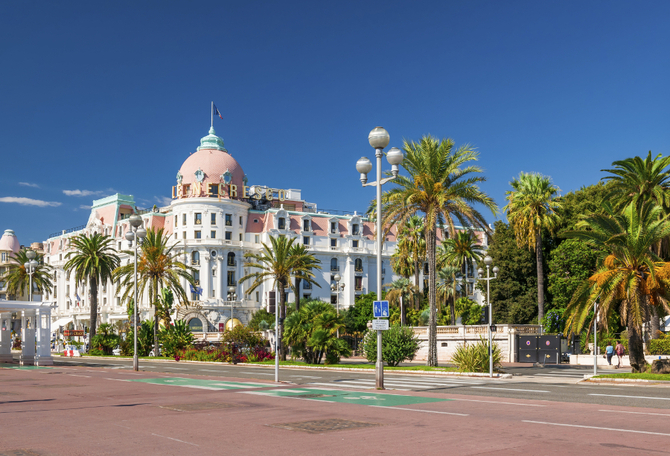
[118,379]
[176,368]
[510,389]
[343,385]
[596,427]
[303,376]
[75,375]
[636,413]
[424,411]
[632,397]
[257,373]
[500,402]
[176,440]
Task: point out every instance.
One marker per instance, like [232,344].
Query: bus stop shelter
[35,332]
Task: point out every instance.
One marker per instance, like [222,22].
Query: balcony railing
[334,268]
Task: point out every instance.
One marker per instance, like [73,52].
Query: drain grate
[316,426]
[198,406]
[22,452]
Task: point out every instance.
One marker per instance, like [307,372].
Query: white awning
[60,322]
[118,317]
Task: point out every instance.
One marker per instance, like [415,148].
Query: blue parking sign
[380,309]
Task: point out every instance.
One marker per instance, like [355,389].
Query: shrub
[657,347]
[175,337]
[602,344]
[399,343]
[475,357]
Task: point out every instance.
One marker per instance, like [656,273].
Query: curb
[589,378]
[346,369]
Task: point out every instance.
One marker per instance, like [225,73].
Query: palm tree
[93,260]
[308,261]
[446,288]
[461,251]
[397,292]
[531,208]
[439,187]
[279,261]
[18,279]
[631,276]
[158,267]
[411,239]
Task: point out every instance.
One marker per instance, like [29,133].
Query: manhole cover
[198,406]
[324,425]
[313,395]
[20,453]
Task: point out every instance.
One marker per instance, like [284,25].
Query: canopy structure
[35,332]
[55,326]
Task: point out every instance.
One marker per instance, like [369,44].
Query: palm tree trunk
[282,315]
[654,324]
[155,301]
[635,348]
[297,293]
[402,312]
[431,244]
[452,309]
[417,298]
[93,283]
[540,277]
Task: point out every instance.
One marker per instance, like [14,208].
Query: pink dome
[214,161]
[9,241]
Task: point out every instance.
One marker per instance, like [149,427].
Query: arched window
[195,258]
[333,265]
[231,259]
[358,265]
[195,325]
[281,223]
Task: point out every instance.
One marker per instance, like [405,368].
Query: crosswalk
[405,383]
[569,374]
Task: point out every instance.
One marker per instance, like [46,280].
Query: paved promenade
[101,411]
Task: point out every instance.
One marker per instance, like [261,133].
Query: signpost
[380,309]
[380,325]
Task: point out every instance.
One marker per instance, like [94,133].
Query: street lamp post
[337,287]
[379,139]
[488,261]
[136,231]
[31,266]
[232,296]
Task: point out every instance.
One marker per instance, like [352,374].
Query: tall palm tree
[158,267]
[307,261]
[411,238]
[18,279]
[398,290]
[279,261]
[93,259]
[444,191]
[631,276]
[636,180]
[531,208]
[446,288]
[461,251]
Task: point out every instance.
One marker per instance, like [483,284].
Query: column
[5,337]
[43,328]
[27,338]
[206,277]
[219,283]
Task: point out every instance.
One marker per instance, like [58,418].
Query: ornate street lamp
[232,297]
[488,261]
[337,287]
[136,232]
[379,139]
[31,267]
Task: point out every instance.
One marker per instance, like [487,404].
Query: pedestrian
[619,350]
[609,351]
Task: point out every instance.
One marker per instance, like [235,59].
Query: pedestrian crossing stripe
[199,383]
[348,397]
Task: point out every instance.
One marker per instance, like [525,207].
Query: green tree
[261,315]
[444,190]
[399,344]
[158,267]
[572,262]
[514,292]
[18,280]
[469,311]
[279,261]
[356,317]
[531,208]
[412,244]
[92,259]
[446,289]
[397,291]
[305,260]
[631,277]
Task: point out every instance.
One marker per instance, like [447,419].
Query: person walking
[619,350]
[609,351]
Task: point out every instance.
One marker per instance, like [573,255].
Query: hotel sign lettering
[73,332]
[222,190]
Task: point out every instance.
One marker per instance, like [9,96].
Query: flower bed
[219,354]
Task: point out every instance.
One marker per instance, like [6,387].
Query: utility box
[539,349]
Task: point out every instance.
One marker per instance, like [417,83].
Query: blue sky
[105,97]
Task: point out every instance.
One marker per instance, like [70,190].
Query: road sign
[380,325]
[381,309]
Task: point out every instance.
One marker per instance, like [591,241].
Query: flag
[77,296]
[216,111]
[197,291]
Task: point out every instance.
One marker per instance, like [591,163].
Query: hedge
[659,347]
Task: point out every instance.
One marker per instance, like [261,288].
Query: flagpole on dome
[211,123]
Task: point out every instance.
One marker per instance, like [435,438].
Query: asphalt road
[558,384]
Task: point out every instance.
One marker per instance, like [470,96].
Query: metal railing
[69,230]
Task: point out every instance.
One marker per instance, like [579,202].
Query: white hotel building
[216,216]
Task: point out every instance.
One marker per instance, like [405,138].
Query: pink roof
[213,163]
[256,227]
[10,242]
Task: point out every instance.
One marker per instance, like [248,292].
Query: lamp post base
[379,375]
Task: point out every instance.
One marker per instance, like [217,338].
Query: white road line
[424,411]
[209,370]
[257,373]
[75,375]
[303,376]
[632,397]
[510,389]
[394,382]
[596,427]
[177,368]
[176,440]
[339,384]
[498,402]
[635,413]
[117,379]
